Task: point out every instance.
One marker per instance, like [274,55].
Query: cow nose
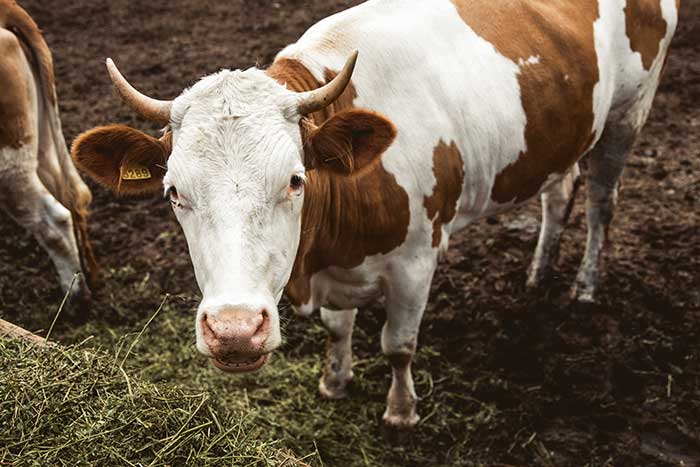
[239,330]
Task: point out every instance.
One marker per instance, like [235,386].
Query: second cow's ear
[125,160]
[349,141]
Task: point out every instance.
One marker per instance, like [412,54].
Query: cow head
[234,161]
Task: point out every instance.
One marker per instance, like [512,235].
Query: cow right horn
[152,109]
[322,97]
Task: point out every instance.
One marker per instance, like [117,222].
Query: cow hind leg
[606,163]
[338,370]
[557,204]
[30,204]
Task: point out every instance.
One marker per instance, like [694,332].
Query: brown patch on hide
[15,97]
[345,218]
[646,27]
[15,19]
[441,206]
[556,92]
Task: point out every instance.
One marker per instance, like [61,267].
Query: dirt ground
[614,384]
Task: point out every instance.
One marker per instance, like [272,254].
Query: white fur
[234,153]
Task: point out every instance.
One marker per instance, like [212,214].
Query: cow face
[235,180]
[234,164]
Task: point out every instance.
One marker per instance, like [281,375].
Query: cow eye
[296,182]
[174,196]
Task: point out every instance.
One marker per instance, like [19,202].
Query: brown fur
[103,151]
[349,141]
[441,206]
[345,218]
[646,28]
[15,97]
[14,18]
[559,112]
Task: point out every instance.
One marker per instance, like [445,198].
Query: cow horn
[322,97]
[152,109]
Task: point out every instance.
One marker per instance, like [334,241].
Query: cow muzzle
[236,338]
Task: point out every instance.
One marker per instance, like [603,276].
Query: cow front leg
[399,339]
[338,370]
[557,204]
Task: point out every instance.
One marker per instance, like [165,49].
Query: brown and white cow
[39,186]
[337,191]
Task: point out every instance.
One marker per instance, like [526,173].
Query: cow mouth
[242,364]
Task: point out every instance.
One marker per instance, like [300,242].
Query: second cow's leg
[338,370]
[557,204]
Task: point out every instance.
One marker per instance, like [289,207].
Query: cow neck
[344,219]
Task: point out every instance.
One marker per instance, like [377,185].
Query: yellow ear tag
[135,172]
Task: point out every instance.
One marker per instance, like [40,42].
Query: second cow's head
[234,162]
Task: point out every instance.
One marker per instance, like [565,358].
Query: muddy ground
[515,378]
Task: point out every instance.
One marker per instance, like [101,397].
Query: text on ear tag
[135,172]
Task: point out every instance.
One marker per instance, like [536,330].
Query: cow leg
[30,204]
[399,339]
[405,309]
[338,371]
[557,203]
[605,168]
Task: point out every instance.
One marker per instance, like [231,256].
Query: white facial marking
[236,182]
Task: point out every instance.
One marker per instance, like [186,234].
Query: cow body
[518,124]
[491,104]
[498,101]
[39,186]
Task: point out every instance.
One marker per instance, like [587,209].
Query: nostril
[263,323]
[206,326]
[235,326]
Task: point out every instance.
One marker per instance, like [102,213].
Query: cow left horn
[322,97]
[152,109]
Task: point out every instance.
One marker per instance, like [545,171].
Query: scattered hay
[271,413]
[68,406]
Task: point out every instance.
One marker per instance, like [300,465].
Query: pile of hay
[74,406]
[69,406]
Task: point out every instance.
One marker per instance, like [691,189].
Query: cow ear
[125,160]
[349,141]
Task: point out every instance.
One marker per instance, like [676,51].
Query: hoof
[586,299]
[400,422]
[533,283]
[582,296]
[333,391]
[398,430]
[535,279]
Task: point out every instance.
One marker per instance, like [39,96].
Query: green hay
[69,406]
[271,413]
[282,399]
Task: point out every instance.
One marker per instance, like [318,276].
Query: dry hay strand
[68,406]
